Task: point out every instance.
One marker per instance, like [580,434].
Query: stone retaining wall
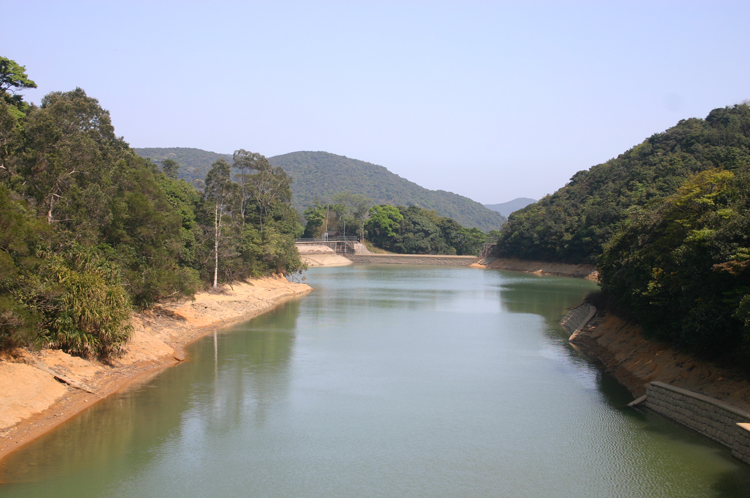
[411,259]
[703,414]
[578,317]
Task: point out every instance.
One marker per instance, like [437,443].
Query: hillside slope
[194,163]
[321,174]
[573,224]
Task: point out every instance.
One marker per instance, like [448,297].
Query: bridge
[340,245]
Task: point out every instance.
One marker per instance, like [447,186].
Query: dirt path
[41,390]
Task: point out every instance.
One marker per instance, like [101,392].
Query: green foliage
[682,267]
[413,230]
[89,229]
[170,168]
[22,235]
[315,216]
[81,302]
[194,163]
[382,224]
[320,175]
[574,223]
[13,77]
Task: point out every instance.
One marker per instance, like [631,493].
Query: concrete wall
[577,318]
[703,414]
[411,259]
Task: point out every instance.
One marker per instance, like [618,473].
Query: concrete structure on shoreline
[411,259]
[719,421]
[715,419]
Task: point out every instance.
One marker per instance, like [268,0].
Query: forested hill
[194,163]
[321,174]
[573,224]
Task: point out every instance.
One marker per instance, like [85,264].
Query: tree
[353,209]
[269,186]
[218,192]
[245,163]
[315,216]
[170,168]
[70,144]
[383,222]
[13,78]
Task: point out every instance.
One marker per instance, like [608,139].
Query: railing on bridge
[341,245]
[311,240]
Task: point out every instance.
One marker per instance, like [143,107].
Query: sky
[490,100]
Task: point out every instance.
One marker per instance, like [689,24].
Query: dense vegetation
[669,224]
[573,224]
[415,230]
[681,267]
[89,229]
[400,229]
[318,176]
[194,163]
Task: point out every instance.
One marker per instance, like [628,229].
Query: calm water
[385,381]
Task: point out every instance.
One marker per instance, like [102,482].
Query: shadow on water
[548,297]
[229,377]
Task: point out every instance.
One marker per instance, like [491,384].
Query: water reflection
[385,381]
[229,377]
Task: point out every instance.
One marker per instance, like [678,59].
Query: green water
[385,381]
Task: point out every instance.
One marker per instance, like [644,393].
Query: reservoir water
[387,381]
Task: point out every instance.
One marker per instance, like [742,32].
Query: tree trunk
[217,226]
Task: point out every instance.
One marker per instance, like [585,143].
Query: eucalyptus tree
[219,191]
[245,162]
[352,209]
[269,186]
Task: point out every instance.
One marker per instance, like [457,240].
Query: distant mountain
[321,174]
[506,208]
[318,175]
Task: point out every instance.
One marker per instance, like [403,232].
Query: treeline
[681,268]
[400,229]
[573,224]
[89,230]
[668,223]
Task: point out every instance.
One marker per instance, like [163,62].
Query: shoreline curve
[65,386]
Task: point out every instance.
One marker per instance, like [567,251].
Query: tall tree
[12,79]
[245,162]
[170,168]
[218,192]
[269,186]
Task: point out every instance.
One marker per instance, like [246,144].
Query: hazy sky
[492,100]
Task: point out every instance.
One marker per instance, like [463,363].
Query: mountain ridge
[318,175]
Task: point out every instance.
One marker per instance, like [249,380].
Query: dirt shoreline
[635,361]
[539,267]
[43,389]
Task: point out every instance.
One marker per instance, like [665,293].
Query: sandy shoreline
[41,390]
